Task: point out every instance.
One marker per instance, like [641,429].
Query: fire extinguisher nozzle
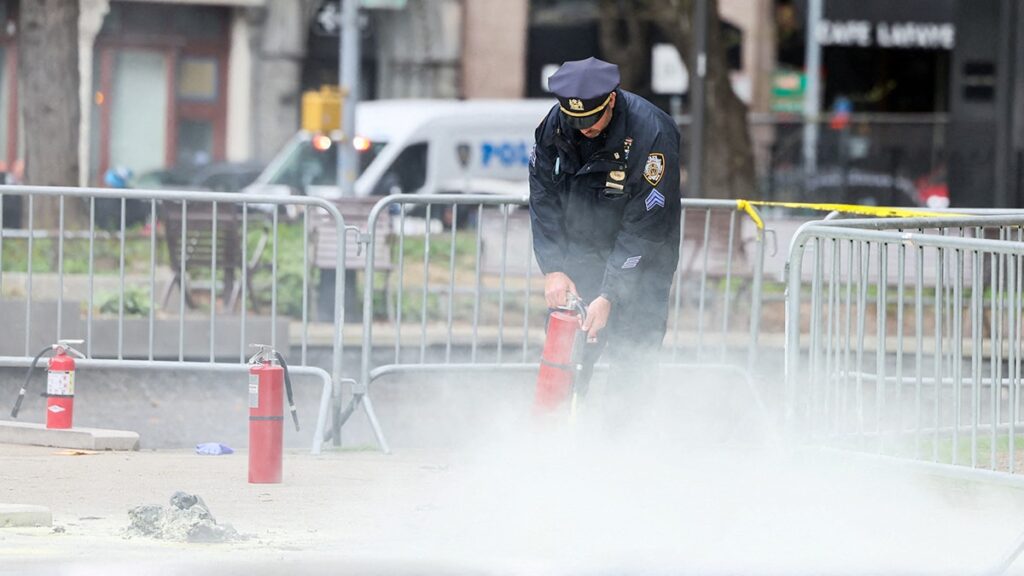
[295,417]
[17,404]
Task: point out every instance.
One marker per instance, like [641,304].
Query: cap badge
[575,104]
[655,168]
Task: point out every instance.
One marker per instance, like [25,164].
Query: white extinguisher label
[60,383]
[254,391]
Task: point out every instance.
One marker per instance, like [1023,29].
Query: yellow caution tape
[876,211]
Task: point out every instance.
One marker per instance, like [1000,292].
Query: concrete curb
[75,438]
[22,515]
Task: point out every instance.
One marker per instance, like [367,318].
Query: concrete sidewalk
[76,438]
[558,507]
[326,506]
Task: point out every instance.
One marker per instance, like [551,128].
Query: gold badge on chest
[617,175]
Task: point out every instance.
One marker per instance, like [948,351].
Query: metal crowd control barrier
[914,345]
[465,284]
[212,237]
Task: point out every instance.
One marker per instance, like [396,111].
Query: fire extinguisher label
[60,383]
[254,391]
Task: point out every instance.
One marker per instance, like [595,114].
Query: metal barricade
[913,339]
[234,248]
[467,294]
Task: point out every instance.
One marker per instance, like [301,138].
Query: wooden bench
[198,253]
[717,264]
[518,248]
[324,239]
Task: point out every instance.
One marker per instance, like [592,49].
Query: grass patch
[941,449]
[106,254]
[440,249]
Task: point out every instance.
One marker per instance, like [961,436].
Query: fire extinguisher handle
[75,352]
[288,388]
[575,304]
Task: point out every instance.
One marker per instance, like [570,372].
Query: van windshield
[309,166]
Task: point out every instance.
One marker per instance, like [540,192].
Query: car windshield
[309,165]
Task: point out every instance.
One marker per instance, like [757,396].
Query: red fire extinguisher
[560,363]
[60,383]
[268,374]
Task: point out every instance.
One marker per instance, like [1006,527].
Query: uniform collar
[616,129]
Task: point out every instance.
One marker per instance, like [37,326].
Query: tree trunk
[48,81]
[624,40]
[728,156]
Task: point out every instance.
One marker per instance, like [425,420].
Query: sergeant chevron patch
[654,199]
[631,262]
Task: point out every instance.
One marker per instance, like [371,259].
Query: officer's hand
[597,317]
[556,286]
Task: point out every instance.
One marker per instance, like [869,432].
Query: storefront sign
[890,24]
[866,34]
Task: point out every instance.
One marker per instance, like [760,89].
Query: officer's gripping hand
[556,286]
[597,317]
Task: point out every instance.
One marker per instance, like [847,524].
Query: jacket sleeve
[546,211]
[651,211]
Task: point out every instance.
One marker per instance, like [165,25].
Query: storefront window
[139,114]
[195,142]
[197,79]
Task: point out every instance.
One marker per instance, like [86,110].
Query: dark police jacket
[606,212]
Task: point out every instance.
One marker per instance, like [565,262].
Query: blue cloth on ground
[213,449]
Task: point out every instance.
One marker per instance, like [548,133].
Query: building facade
[172,84]
[179,83]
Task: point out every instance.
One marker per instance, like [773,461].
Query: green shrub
[136,302]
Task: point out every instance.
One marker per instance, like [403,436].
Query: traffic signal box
[321,110]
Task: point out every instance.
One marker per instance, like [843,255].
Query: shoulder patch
[654,199]
[655,168]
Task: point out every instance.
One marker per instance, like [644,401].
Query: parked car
[849,186]
[213,177]
[216,177]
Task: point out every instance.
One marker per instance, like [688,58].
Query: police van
[416,147]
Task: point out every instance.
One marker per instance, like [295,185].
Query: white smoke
[679,479]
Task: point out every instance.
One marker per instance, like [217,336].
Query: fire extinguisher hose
[28,377]
[288,389]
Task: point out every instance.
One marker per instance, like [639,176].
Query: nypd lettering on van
[506,154]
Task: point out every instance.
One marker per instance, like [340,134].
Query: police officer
[604,208]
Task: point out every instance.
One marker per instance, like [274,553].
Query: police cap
[583,88]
